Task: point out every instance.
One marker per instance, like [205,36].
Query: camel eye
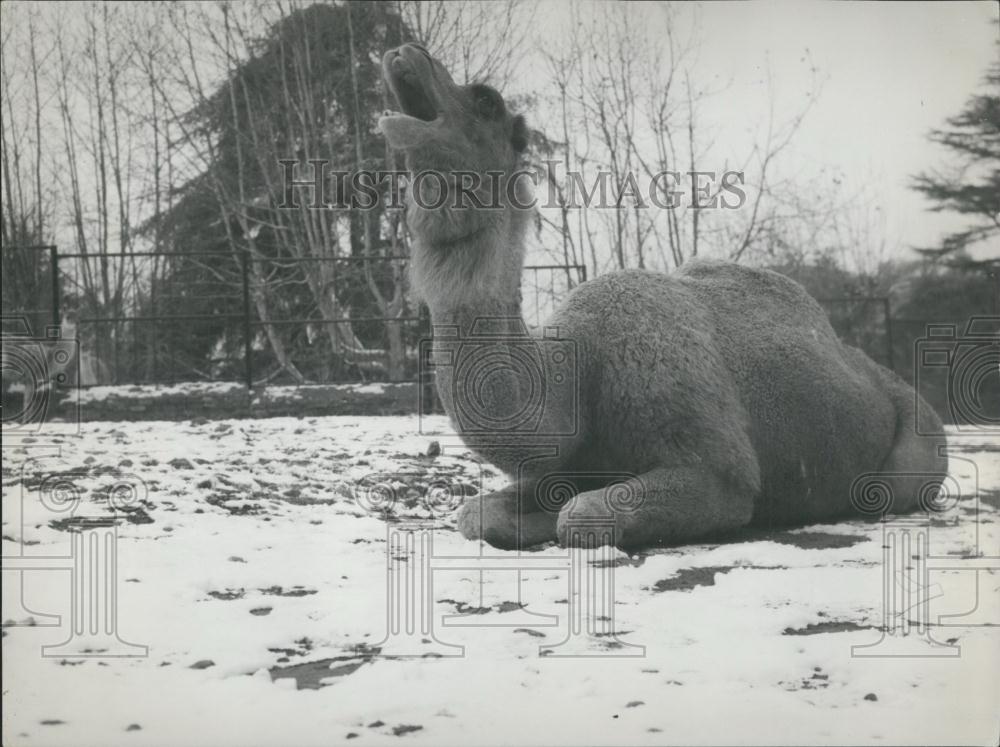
[488,104]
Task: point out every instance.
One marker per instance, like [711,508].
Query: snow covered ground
[89,395]
[257,584]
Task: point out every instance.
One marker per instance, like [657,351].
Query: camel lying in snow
[710,399]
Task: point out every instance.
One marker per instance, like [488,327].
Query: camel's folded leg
[495,518]
[917,461]
[662,506]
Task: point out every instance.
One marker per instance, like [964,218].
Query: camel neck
[467,264]
[488,316]
[469,280]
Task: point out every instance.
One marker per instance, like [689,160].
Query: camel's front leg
[662,506]
[495,518]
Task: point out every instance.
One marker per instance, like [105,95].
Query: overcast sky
[892,71]
[895,70]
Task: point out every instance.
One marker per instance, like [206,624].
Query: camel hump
[767,296]
[746,281]
[613,306]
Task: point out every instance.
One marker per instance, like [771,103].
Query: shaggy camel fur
[676,406]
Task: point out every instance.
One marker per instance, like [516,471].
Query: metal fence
[168,317]
[30,288]
[864,322]
[162,318]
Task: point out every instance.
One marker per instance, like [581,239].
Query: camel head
[465,137]
[445,126]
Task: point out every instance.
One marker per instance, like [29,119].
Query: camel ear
[519,137]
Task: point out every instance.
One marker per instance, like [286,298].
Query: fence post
[54,262]
[427,397]
[994,274]
[247,341]
[890,357]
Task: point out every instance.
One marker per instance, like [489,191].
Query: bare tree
[628,110]
[476,41]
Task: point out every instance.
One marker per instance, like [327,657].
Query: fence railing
[30,287]
[864,322]
[167,317]
[170,317]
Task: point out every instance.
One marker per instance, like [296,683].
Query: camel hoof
[467,519]
[477,520]
[591,508]
[565,531]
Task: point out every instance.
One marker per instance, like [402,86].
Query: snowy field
[257,585]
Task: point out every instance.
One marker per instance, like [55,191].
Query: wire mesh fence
[30,296]
[166,318]
[170,317]
[864,322]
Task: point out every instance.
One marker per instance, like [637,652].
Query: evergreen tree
[973,187]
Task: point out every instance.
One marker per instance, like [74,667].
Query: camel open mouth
[410,75]
[414,98]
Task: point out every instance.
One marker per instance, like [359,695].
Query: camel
[682,405]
